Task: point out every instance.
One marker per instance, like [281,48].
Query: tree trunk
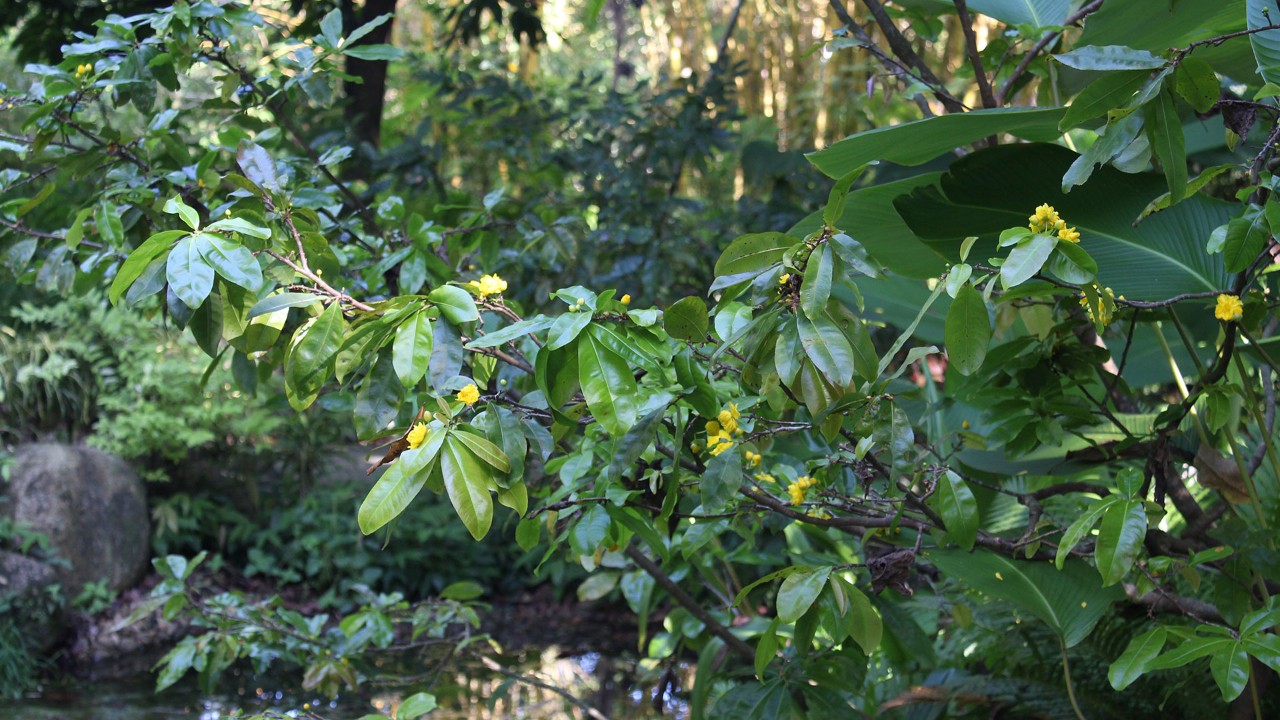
[366,94]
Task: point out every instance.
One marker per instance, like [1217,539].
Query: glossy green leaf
[466,481]
[1109,57]
[566,328]
[1230,669]
[914,143]
[310,361]
[968,332]
[1026,259]
[799,591]
[190,276]
[839,194]
[721,480]
[231,260]
[513,331]
[687,320]
[1164,130]
[827,347]
[1106,93]
[281,301]
[174,205]
[416,705]
[1081,526]
[1136,658]
[816,288]
[488,452]
[456,304]
[401,483]
[954,501]
[1124,525]
[1266,44]
[1036,13]
[608,386]
[753,253]
[411,349]
[1246,238]
[155,246]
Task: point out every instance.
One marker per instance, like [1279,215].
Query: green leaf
[1070,263]
[566,328]
[1246,238]
[1080,527]
[991,190]
[233,261]
[864,624]
[1026,259]
[753,253]
[721,480]
[1165,201]
[917,142]
[467,483]
[1070,601]
[416,705]
[968,331]
[239,225]
[766,648]
[37,200]
[280,301]
[257,165]
[374,52]
[1190,651]
[1266,45]
[816,288]
[608,386]
[512,332]
[401,482]
[1036,13]
[798,592]
[1124,525]
[687,320]
[174,205]
[827,347]
[411,350]
[839,194]
[1230,669]
[138,260]
[1106,93]
[107,219]
[1137,656]
[1117,138]
[1110,57]
[456,304]
[377,400]
[954,501]
[190,276]
[311,359]
[1164,130]
[699,393]
[331,27]
[483,449]
[1264,647]
[1197,83]
[590,530]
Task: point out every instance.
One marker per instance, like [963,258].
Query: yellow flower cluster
[489,285]
[469,395]
[83,71]
[1107,300]
[1047,222]
[765,477]
[416,435]
[720,431]
[798,489]
[1229,308]
[753,458]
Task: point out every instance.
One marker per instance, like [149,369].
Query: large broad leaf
[190,276]
[968,330]
[401,483]
[991,190]
[753,253]
[1160,26]
[918,142]
[869,218]
[607,385]
[466,480]
[311,359]
[1037,13]
[1071,601]
[411,350]
[1266,45]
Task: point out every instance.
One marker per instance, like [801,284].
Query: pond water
[619,687]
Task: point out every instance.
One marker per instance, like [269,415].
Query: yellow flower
[796,491]
[489,285]
[626,300]
[733,410]
[722,442]
[1229,308]
[416,435]
[1044,220]
[753,458]
[764,477]
[469,394]
[83,71]
[1068,234]
[785,277]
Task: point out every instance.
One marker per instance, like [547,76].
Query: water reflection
[519,687]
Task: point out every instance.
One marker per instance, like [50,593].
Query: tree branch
[688,603]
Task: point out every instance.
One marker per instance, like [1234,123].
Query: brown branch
[1039,47]
[975,60]
[901,48]
[335,294]
[685,600]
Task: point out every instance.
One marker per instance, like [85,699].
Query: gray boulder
[92,507]
[41,616]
